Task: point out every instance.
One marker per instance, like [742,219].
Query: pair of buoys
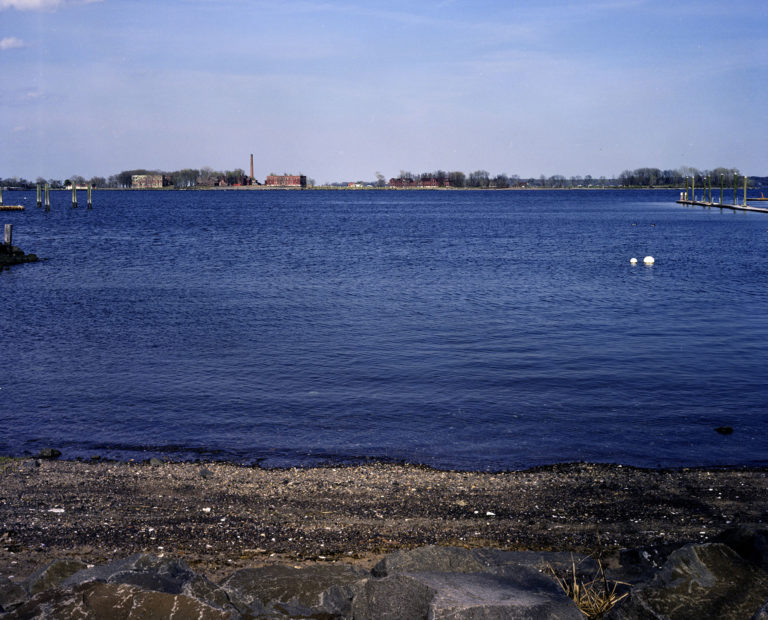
[648,260]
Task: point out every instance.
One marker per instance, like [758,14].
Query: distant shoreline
[354,189]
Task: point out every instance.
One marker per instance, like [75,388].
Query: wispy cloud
[30,5]
[9,43]
[39,5]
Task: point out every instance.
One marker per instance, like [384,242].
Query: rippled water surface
[471,330]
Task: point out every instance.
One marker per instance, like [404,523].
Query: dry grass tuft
[594,598]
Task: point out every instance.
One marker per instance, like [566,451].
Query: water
[469,330]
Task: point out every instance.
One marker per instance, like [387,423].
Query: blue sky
[340,90]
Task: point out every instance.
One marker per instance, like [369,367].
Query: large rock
[98,600]
[465,584]
[463,596]
[750,542]
[154,574]
[323,590]
[11,594]
[51,575]
[699,581]
[762,613]
[435,559]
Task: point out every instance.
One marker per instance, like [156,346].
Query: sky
[341,90]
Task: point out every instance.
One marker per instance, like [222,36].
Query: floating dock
[11,207]
[719,205]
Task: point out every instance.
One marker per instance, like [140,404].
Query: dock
[688,197]
[698,203]
[4,207]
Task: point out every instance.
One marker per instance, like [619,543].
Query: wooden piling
[1,196]
[74,195]
[735,186]
[47,197]
[90,204]
[8,236]
[722,185]
[745,190]
[39,197]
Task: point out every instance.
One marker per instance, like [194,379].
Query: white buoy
[648,260]
[633,261]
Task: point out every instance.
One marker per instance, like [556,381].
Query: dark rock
[115,601]
[319,591]
[724,430]
[750,542]
[641,564]
[464,596]
[11,594]
[157,574]
[206,474]
[699,581]
[52,575]
[49,453]
[393,598]
[429,559]
[493,561]
[29,465]
[762,613]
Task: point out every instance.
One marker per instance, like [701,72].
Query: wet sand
[219,517]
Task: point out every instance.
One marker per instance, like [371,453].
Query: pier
[719,205]
[4,207]
[688,197]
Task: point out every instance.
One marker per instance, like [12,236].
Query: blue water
[469,330]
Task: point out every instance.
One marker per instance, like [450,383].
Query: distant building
[426,182]
[149,181]
[286,180]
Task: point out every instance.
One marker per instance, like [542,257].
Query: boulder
[49,453]
[11,594]
[464,596]
[154,574]
[459,560]
[699,581]
[429,559]
[51,575]
[750,542]
[762,613]
[457,583]
[96,600]
[323,590]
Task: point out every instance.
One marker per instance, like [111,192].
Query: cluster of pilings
[46,191]
[706,192]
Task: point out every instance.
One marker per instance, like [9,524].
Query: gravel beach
[219,517]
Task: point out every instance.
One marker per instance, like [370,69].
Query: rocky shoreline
[219,518]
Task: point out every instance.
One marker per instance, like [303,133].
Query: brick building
[426,182]
[149,181]
[286,180]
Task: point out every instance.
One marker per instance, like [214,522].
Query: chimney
[251,166]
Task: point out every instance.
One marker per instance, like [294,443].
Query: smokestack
[251,166]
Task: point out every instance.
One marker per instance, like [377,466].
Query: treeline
[641,177]
[654,177]
[187,177]
[208,177]
[484,180]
